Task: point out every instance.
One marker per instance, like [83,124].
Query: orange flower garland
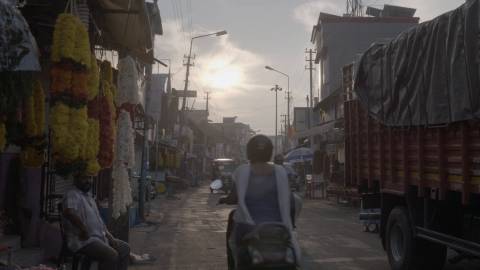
[107,125]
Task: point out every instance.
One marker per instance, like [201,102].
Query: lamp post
[185,89]
[276,89]
[288,93]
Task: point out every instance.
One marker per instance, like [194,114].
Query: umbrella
[299,154]
[18,48]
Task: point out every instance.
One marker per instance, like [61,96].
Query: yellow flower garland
[29,122]
[92,147]
[34,112]
[39,97]
[3,136]
[70,40]
[60,116]
[93,79]
[31,157]
[64,37]
[82,54]
[78,131]
[75,137]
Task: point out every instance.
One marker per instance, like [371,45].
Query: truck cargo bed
[444,158]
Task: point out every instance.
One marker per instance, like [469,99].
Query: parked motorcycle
[224,183]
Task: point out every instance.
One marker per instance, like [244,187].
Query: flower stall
[61,113]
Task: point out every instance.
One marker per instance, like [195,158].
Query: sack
[270,245]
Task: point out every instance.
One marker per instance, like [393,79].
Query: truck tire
[405,252]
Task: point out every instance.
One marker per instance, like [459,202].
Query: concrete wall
[343,41]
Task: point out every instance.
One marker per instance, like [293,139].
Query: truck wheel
[405,252]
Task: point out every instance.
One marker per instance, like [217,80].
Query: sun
[225,78]
[220,74]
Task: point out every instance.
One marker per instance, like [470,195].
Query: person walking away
[86,232]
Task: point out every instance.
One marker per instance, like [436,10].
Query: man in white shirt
[86,232]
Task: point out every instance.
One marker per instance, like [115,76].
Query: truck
[412,139]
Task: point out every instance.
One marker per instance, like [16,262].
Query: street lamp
[185,89]
[276,89]
[288,100]
[288,92]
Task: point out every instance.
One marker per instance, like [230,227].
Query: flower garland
[127,82]
[125,152]
[70,41]
[107,117]
[93,79]
[122,192]
[60,117]
[34,128]
[124,159]
[74,82]
[92,147]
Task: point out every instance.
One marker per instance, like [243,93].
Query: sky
[260,33]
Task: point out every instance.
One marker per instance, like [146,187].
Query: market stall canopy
[126,26]
[299,155]
[18,48]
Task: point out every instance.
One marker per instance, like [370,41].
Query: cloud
[307,13]
[219,60]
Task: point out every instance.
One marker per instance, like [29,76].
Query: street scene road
[189,233]
[130,130]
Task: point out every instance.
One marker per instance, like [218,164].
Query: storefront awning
[125,26]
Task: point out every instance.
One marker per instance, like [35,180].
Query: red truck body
[445,158]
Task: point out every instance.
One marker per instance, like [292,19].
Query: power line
[178,21]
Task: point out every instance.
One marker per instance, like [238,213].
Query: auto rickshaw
[223,169]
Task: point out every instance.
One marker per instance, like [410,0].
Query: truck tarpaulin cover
[428,75]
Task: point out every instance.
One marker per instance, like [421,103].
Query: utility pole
[289,98]
[143,172]
[208,99]
[310,67]
[276,89]
[284,131]
[188,64]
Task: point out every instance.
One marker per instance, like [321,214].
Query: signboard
[300,118]
[180,93]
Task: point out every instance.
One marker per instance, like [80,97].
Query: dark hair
[259,149]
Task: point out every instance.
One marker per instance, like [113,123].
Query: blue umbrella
[299,155]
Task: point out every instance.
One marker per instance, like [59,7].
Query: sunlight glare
[222,75]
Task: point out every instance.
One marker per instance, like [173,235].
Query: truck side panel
[390,160]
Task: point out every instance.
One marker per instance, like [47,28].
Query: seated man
[86,233]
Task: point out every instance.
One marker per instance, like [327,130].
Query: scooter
[264,246]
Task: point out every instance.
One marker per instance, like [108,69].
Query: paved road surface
[190,234]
